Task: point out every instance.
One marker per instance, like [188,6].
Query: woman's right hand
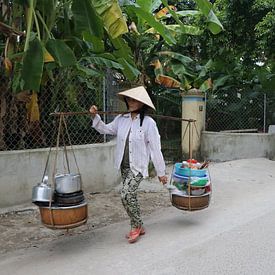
[93,110]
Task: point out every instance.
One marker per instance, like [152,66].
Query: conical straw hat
[139,94]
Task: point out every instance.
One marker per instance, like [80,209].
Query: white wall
[221,146]
[21,170]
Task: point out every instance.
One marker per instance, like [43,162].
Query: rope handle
[62,122]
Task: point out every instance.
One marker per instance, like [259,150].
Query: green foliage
[111,16]
[86,18]
[62,53]
[150,19]
[33,66]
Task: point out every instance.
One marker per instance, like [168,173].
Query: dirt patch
[23,228]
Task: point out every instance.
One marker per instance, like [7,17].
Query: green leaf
[103,62]
[180,70]
[184,29]
[150,19]
[129,71]
[112,17]
[204,86]
[33,66]
[205,69]
[214,25]
[204,5]
[187,13]
[17,81]
[268,82]
[62,53]
[145,4]
[220,82]
[46,6]
[155,5]
[96,43]
[122,50]
[180,57]
[86,18]
[22,2]
[89,72]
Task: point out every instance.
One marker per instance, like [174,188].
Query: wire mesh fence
[168,103]
[236,112]
[67,91]
[26,122]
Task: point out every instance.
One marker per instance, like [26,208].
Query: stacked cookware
[67,191]
[62,203]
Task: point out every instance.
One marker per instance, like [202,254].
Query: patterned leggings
[129,196]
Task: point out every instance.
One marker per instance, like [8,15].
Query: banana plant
[59,35]
[154,39]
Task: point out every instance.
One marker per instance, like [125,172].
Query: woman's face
[133,104]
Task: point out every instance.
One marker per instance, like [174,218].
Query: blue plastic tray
[188,172]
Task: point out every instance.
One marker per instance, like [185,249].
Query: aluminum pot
[42,192]
[67,183]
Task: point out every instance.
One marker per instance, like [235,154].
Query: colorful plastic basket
[188,172]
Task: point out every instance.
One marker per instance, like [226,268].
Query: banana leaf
[214,25]
[88,72]
[122,50]
[159,27]
[62,53]
[96,43]
[111,16]
[180,57]
[187,13]
[102,62]
[86,18]
[179,30]
[145,4]
[220,82]
[46,6]
[129,71]
[33,66]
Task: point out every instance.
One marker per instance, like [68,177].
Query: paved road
[235,235]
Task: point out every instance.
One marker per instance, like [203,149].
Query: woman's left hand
[163,179]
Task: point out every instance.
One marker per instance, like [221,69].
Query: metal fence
[236,112]
[67,91]
[64,91]
[168,103]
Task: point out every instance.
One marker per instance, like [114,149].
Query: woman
[138,140]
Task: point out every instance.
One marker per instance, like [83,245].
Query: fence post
[264,113]
[193,107]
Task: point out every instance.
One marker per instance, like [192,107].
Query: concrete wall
[218,146]
[21,170]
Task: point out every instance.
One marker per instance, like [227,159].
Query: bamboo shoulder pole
[120,113]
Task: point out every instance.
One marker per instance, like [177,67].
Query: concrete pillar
[193,107]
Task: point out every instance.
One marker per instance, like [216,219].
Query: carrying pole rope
[190,158]
[54,166]
[70,142]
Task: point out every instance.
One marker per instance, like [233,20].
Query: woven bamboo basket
[64,217]
[190,203]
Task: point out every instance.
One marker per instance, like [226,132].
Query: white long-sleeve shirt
[144,142]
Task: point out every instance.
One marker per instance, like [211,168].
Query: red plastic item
[207,188]
[192,161]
